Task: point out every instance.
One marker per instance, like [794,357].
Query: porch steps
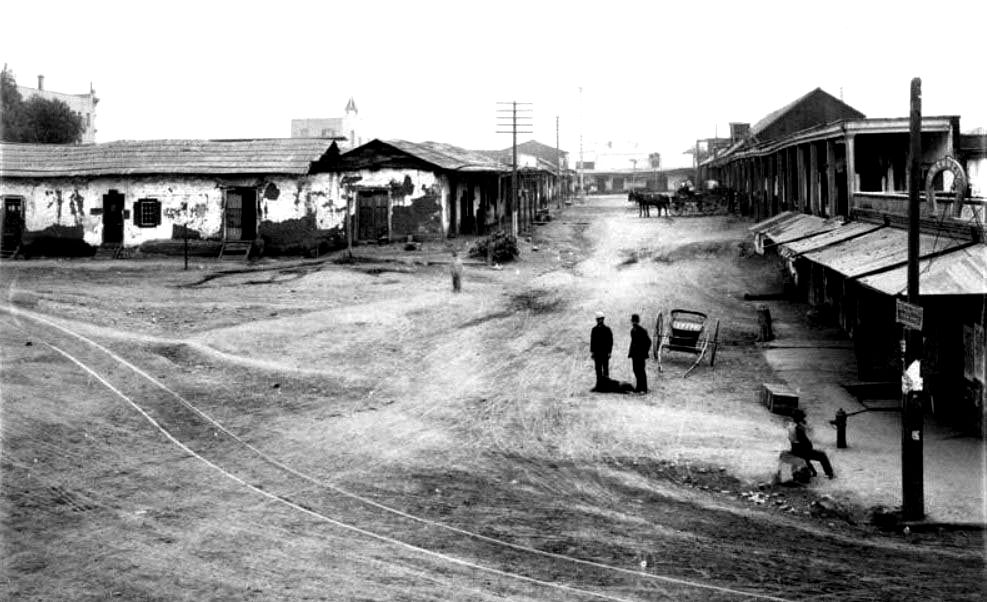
[108,251]
[235,250]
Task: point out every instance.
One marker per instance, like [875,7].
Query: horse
[647,200]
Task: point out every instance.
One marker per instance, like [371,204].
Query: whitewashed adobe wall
[71,201]
[423,183]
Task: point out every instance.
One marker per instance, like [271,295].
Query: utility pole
[558,167]
[912,478]
[517,124]
[696,183]
[582,166]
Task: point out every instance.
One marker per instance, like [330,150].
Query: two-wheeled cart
[687,331]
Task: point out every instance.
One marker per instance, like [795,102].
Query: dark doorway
[240,216]
[113,218]
[467,223]
[371,221]
[842,194]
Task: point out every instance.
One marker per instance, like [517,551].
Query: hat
[599,315]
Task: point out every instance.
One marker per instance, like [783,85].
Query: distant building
[346,129]
[84,105]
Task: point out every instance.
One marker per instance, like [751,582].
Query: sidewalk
[815,363]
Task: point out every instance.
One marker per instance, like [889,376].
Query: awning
[959,272]
[826,238]
[879,250]
[771,221]
[795,228]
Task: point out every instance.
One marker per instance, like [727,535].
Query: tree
[37,119]
[50,122]
[10,112]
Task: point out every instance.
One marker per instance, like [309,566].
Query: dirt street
[328,430]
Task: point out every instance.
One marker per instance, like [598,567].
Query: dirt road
[313,430]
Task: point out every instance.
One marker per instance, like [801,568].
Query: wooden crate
[779,398]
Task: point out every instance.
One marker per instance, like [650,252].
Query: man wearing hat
[600,346]
[639,351]
[802,445]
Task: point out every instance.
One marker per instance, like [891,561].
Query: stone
[792,469]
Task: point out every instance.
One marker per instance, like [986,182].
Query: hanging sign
[908,314]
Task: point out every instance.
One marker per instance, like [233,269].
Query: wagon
[687,331]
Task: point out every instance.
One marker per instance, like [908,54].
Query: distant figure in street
[456,269]
[600,347]
[802,445]
[638,352]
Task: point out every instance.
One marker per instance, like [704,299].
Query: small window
[147,213]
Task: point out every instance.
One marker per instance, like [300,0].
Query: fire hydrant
[840,423]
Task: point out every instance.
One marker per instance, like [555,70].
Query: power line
[522,124]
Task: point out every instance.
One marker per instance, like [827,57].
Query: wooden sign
[908,315]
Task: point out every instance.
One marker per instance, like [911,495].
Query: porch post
[851,171]
[813,179]
[800,165]
[831,177]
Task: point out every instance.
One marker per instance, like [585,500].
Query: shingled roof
[133,157]
[448,156]
[813,108]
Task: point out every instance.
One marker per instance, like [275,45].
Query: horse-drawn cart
[689,332]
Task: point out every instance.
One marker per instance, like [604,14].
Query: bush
[502,247]
[56,241]
[298,237]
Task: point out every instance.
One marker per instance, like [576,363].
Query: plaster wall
[197,201]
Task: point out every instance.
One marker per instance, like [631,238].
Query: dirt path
[452,438]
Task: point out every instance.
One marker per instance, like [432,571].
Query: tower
[351,127]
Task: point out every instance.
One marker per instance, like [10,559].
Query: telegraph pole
[582,190]
[912,478]
[517,124]
[558,168]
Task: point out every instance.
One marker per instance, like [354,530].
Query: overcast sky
[659,74]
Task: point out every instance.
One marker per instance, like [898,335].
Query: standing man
[639,351]
[600,346]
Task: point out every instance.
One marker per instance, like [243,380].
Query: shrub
[501,246]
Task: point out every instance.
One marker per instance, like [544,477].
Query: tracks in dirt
[197,434]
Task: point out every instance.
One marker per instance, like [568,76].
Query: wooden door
[233,216]
[13,223]
[240,215]
[372,215]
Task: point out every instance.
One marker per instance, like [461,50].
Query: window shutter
[147,213]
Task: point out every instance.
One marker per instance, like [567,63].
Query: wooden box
[779,398]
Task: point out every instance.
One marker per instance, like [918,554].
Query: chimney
[41,82]
[739,131]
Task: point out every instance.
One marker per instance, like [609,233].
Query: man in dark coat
[600,347]
[639,351]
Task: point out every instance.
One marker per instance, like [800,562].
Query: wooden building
[830,189]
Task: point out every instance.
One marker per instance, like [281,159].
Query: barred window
[147,213]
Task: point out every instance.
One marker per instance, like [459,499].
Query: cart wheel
[712,353]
